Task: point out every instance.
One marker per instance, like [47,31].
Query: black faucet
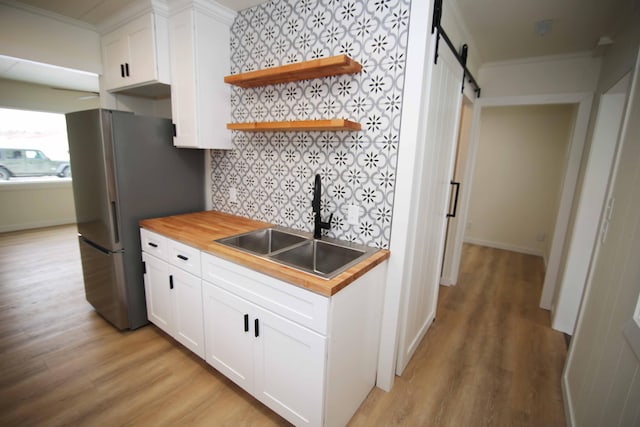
[318,225]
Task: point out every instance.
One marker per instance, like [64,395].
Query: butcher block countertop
[200,229]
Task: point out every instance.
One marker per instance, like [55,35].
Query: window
[33,146]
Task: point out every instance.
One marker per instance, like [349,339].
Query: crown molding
[210,7]
[133,10]
[538,59]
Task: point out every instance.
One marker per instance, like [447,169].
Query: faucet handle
[327,225]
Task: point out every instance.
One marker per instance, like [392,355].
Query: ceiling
[499,29]
[92,12]
[95,11]
[506,29]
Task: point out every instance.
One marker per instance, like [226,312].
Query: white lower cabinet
[188,322]
[310,358]
[277,361]
[158,292]
[173,295]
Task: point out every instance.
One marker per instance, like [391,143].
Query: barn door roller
[460,56]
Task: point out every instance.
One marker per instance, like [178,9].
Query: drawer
[284,299]
[184,257]
[153,244]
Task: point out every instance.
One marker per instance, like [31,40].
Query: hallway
[490,359]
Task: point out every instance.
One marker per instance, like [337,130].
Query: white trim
[589,202]
[561,98]
[504,246]
[214,10]
[35,185]
[568,192]
[569,413]
[537,59]
[208,180]
[412,128]
[566,398]
[37,224]
[133,10]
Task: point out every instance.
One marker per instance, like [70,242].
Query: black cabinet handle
[184,258]
[122,70]
[246,323]
[171,282]
[126,68]
[256,325]
[153,245]
[144,267]
[455,200]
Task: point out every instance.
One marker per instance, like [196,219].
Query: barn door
[436,171]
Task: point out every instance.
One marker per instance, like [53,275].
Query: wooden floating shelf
[296,125]
[313,69]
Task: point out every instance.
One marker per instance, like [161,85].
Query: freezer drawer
[104,282]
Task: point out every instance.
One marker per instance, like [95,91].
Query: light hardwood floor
[490,359]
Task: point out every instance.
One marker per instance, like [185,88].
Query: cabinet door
[200,58]
[115,53]
[187,299]
[229,334]
[142,51]
[183,81]
[289,369]
[158,293]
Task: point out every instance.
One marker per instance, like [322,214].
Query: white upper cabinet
[137,54]
[199,34]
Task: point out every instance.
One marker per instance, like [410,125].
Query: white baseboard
[38,224]
[568,403]
[505,246]
[446,281]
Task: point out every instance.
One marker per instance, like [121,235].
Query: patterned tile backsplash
[273,172]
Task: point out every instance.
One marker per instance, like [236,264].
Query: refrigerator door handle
[97,247]
[114,216]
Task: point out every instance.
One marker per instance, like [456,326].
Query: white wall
[518,174]
[454,26]
[27,34]
[601,381]
[540,76]
[26,96]
[33,205]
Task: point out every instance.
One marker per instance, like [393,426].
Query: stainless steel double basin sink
[324,258]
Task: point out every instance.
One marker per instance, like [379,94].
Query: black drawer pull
[184,258]
[246,323]
[153,245]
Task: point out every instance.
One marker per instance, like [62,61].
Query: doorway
[449,275]
[565,299]
[518,177]
[571,165]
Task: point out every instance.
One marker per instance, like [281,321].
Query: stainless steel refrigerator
[125,168]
